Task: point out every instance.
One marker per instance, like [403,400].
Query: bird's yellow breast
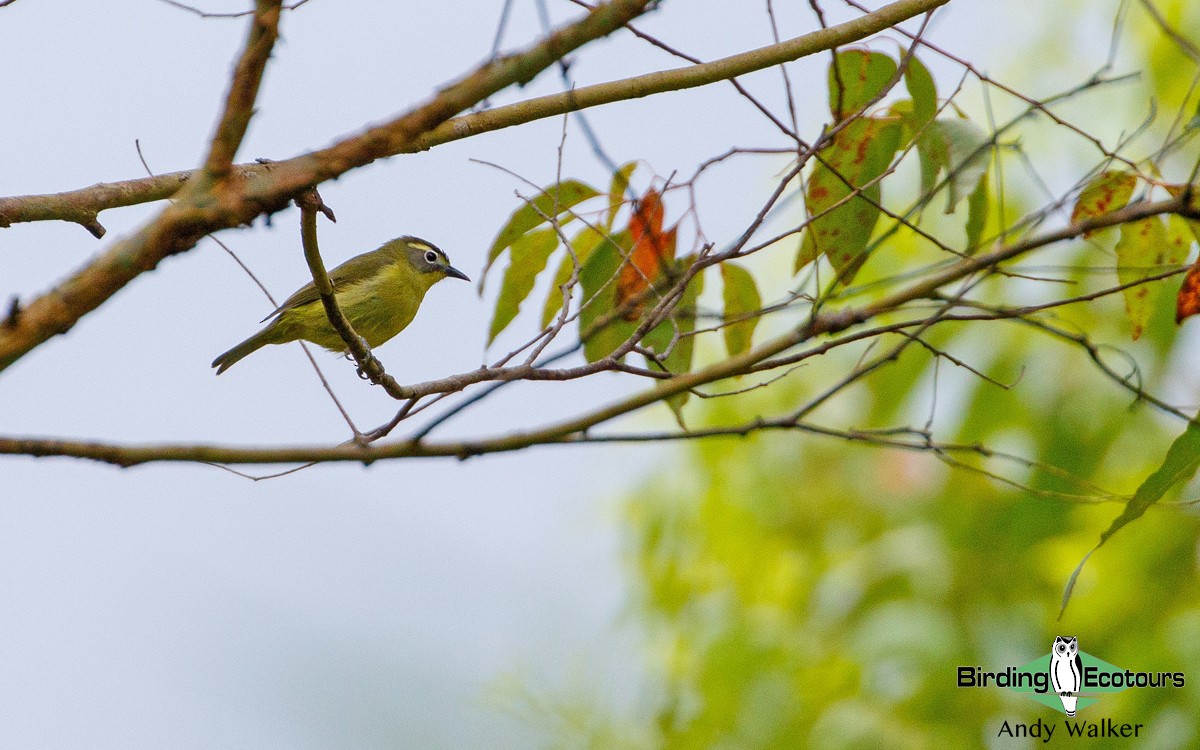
[379,307]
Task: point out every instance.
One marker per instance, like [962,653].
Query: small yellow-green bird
[379,292]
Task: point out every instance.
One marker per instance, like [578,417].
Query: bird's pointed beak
[453,272]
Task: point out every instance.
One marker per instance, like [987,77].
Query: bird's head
[425,257]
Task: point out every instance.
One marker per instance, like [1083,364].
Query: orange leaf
[1187,303]
[652,252]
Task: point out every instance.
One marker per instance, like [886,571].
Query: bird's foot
[369,358]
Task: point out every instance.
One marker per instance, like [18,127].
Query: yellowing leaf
[1138,256]
[526,260]
[1106,192]
[1179,241]
[858,155]
[742,303]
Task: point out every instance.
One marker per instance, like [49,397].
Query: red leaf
[1187,303]
[652,252]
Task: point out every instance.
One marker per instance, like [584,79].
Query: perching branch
[205,205]
[898,310]
[310,204]
[576,430]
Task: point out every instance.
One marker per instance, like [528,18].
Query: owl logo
[1066,671]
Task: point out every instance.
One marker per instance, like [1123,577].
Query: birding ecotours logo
[1067,679]
[1066,671]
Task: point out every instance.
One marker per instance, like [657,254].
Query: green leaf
[742,300]
[961,149]
[902,112]
[554,201]
[918,114]
[858,155]
[902,108]
[934,155]
[967,158]
[582,244]
[616,192]
[1105,193]
[860,76]
[598,279]
[527,259]
[1138,252]
[978,203]
[1180,464]
[923,91]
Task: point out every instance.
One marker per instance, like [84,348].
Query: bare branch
[243,90]
[574,430]
[203,207]
[235,14]
[430,126]
[877,321]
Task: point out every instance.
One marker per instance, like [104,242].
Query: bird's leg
[370,356]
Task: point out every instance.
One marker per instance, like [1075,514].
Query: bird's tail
[250,345]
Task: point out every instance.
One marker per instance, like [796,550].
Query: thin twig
[206,14]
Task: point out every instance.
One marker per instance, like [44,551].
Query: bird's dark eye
[431,257]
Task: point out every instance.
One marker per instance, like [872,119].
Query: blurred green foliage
[806,591]
[800,590]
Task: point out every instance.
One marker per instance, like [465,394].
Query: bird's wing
[353,271]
